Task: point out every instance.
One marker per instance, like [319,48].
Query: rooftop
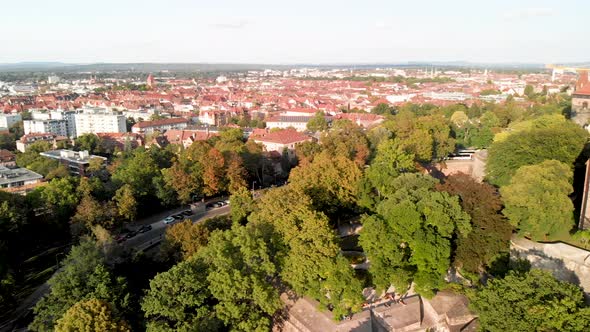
[70,155]
[9,175]
[162,122]
[285,136]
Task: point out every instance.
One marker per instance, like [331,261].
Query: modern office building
[75,161]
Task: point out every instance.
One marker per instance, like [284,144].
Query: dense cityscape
[243,167]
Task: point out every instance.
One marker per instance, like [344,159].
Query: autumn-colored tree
[90,316]
[330,181]
[187,236]
[346,139]
[490,233]
[185,178]
[235,173]
[213,172]
[126,203]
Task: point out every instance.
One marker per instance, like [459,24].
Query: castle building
[581,101]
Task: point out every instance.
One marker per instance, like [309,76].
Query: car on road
[210,205]
[226,202]
[178,216]
[145,228]
[168,220]
[130,234]
[187,213]
[120,238]
[219,204]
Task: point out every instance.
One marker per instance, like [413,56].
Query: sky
[294,32]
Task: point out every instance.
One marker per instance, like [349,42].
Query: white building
[57,127]
[9,120]
[17,179]
[99,120]
[68,117]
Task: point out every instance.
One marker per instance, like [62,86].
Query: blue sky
[299,31]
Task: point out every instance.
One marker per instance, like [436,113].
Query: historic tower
[581,100]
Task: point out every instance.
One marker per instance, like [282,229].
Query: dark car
[130,234]
[187,213]
[145,228]
[178,216]
[120,238]
[210,205]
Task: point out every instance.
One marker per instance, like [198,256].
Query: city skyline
[306,32]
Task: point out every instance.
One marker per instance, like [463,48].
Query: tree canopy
[533,301]
[537,201]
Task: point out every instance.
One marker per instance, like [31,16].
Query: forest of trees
[227,273]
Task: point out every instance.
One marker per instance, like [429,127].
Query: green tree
[490,233]
[89,142]
[533,301]
[83,276]
[562,141]
[179,300]
[242,277]
[421,224]
[312,263]
[60,197]
[390,161]
[90,316]
[241,204]
[138,171]
[537,202]
[317,122]
[383,109]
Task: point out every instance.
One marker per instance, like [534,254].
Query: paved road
[141,241]
[156,234]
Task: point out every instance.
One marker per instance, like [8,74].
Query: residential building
[75,161]
[281,141]
[99,120]
[365,120]
[57,127]
[9,120]
[122,141]
[7,158]
[581,100]
[25,141]
[18,180]
[299,123]
[188,136]
[161,125]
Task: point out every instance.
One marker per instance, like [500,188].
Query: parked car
[120,238]
[178,216]
[145,228]
[226,202]
[187,213]
[210,205]
[168,220]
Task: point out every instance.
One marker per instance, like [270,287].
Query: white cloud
[524,13]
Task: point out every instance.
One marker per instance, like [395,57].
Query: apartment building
[99,120]
[58,127]
[8,120]
[75,161]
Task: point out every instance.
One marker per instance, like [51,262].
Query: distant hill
[210,67]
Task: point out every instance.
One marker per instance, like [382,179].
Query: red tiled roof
[6,155]
[285,136]
[583,85]
[162,122]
